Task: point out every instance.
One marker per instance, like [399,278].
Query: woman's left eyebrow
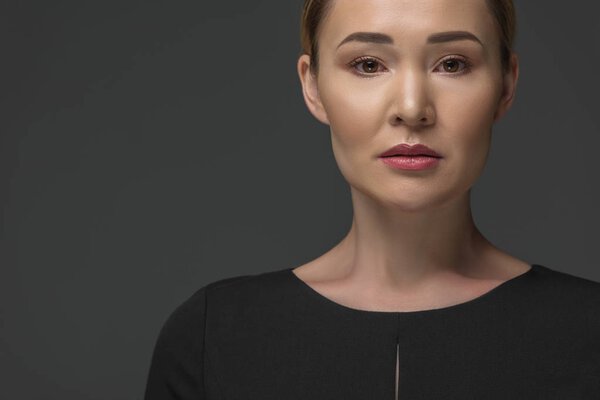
[450,36]
[382,38]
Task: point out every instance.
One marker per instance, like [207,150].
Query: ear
[510,79]
[310,89]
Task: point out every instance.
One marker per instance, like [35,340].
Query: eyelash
[354,63]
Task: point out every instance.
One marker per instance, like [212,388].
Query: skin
[413,244]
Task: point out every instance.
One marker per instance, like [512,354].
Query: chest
[307,355]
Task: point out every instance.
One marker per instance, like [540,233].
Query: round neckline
[483,297]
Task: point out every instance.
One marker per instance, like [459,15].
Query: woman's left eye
[455,65]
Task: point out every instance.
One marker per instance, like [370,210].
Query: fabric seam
[205,352]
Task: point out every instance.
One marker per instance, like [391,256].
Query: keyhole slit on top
[397,370]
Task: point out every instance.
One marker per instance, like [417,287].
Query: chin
[403,201]
[413,205]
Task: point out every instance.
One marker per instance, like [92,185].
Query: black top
[270,336]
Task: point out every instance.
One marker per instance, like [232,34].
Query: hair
[315,11]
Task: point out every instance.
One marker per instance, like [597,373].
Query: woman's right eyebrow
[382,38]
[367,37]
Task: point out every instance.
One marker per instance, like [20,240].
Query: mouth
[410,156]
[407,157]
[406,150]
[411,162]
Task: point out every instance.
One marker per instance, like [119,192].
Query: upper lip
[410,150]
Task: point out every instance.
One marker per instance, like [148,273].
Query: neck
[406,248]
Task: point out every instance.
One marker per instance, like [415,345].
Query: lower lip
[411,163]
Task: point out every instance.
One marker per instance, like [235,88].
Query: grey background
[150,147]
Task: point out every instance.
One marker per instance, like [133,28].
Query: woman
[414,302]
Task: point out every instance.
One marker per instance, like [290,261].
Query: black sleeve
[176,370]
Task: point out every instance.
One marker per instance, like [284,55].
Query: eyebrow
[381,38]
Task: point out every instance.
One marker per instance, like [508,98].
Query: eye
[367,65]
[455,65]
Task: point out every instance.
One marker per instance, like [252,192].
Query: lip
[417,157]
[404,149]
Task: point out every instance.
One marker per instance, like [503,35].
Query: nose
[412,100]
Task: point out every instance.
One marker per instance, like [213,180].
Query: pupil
[450,65]
[371,66]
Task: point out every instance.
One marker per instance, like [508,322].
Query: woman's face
[411,79]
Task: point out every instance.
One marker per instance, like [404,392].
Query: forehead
[409,20]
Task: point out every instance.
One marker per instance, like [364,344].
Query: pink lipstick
[414,158]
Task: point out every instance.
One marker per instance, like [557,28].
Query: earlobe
[510,80]
[310,90]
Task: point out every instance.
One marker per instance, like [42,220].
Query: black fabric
[271,336]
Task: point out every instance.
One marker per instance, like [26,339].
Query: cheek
[469,114]
[355,109]
[464,124]
[356,114]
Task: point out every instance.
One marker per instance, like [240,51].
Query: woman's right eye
[367,65]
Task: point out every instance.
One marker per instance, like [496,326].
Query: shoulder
[179,349]
[225,298]
[234,291]
[566,285]
[567,296]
